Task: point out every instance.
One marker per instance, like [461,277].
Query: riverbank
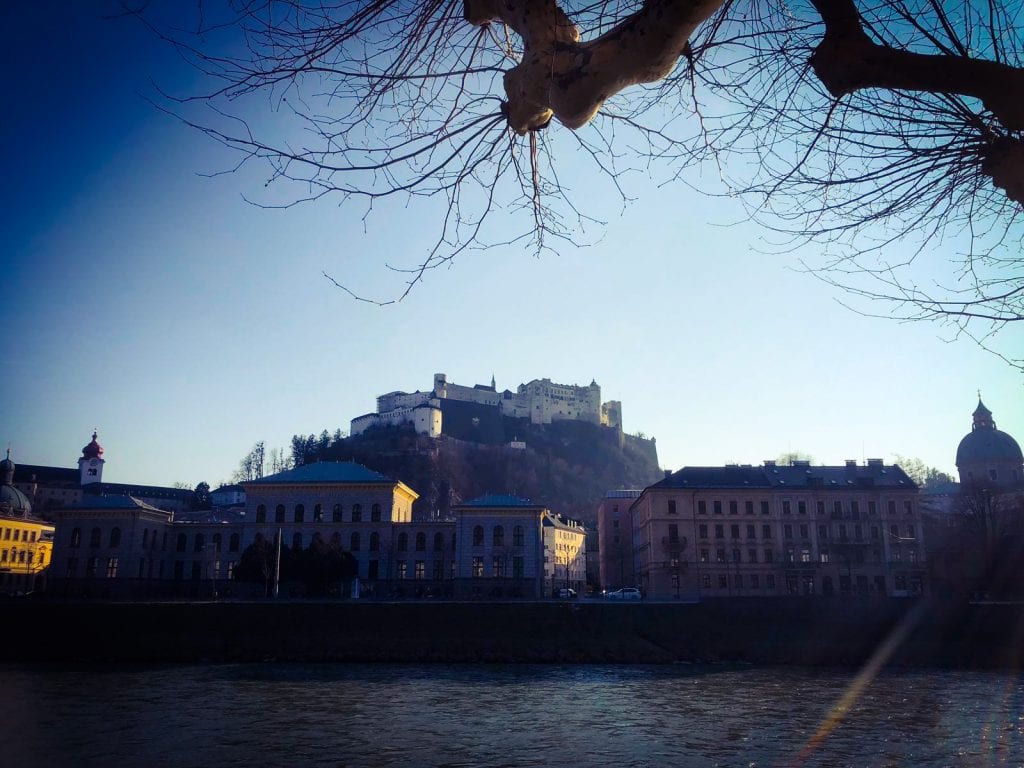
[783,631]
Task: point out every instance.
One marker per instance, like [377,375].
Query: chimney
[851,463]
[769,462]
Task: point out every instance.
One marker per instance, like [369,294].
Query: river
[483,715]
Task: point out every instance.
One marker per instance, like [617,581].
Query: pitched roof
[323,472]
[499,500]
[114,502]
[849,476]
[44,475]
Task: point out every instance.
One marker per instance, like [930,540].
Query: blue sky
[153,302]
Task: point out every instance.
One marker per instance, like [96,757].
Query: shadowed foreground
[800,632]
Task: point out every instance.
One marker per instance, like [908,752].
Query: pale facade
[26,542]
[740,531]
[565,553]
[615,540]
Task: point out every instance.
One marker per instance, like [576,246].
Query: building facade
[615,540]
[26,541]
[744,531]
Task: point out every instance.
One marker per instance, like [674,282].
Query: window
[705,581]
[478,567]
[872,509]
[94,537]
[672,506]
[842,531]
[179,545]
[912,555]
[734,508]
[373,569]
[803,532]
[353,542]
[755,581]
[874,532]
[673,533]
[438,570]
[719,555]
[498,536]
[403,542]
[478,537]
[751,555]
[374,542]
[438,542]
[765,509]
[199,544]
[336,539]
[908,508]
[517,566]
[111,567]
[769,581]
[357,513]
[805,555]
[910,532]
[766,531]
[90,567]
[421,542]
[402,566]
[702,530]
[300,513]
[517,536]
[821,508]
[702,507]
[719,531]
[736,557]
[790,555]
[823,532]
[787,531]
[891,507]
[336,513]
[894,531]
[318,513]
[718,507]
[296,541]
[76,537]
[420,571]
[115,537]
[704,556]
[855,510]
[72,570]
[837,509]
[858,532]
[737,581]
[233,543]
[801,507]
[261,513]
[279,513]
[723,581]
[734,531]
[748,507]
[786,508]
[375,513]
[498,568]
[216,542]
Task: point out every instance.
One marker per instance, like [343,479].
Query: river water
[482,715]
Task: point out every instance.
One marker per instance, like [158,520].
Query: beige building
[26,542]
[739,531]
[565,553]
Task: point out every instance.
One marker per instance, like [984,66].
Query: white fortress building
[542,401]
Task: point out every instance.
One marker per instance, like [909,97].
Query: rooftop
[324,472]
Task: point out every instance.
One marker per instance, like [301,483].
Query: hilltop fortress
[542,401]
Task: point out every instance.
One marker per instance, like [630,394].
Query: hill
[567,465]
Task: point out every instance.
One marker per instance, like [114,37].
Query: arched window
[517,536]
[375,513]
[200,543]
[180,545]
[336,539]
[353,542]
[216,542]
[94,537]
[115,537]
[145,537]
[233,543]
[478,536]
[403,542]
[297,541]
[261,513]
[421,542]
[318,513]
[374,542]
[279,513]
[438,542]
[300,513]
[336,514]
[357,513]
[76,537]
[498,536]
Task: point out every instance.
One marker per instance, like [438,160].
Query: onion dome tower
[90,466]
[988,455]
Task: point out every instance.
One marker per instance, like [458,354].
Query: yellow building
[26,542]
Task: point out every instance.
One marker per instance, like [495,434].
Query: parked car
[566,593]
[626,593]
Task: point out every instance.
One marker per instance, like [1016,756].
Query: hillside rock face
[567,465]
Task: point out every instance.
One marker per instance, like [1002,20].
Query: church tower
[90,466]
[987,455]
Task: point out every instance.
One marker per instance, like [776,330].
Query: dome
[93,450]
[13,502]
[984,443]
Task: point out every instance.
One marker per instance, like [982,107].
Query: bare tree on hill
[859,125]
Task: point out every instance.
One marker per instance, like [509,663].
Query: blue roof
[499,500]
[113,502]
[324,472]
[875,475]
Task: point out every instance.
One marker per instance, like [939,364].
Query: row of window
[804,555]
[149,540]
[497,536]
[795,585]
[23,556]
[852,509]
[841,532]
[498,570]
[18,535]
[337,513]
